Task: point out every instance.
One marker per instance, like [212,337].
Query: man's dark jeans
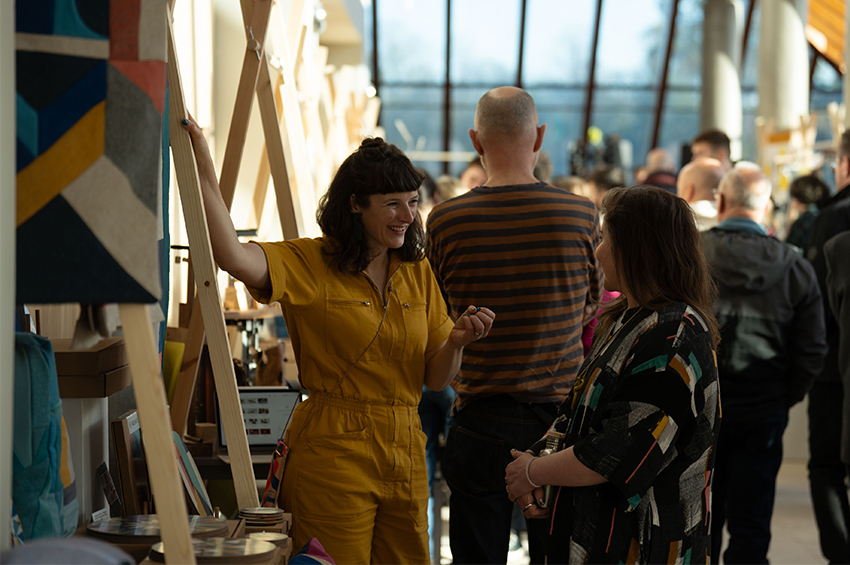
[749,454]
[477,452]
[827,472]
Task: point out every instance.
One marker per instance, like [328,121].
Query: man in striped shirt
[526,250]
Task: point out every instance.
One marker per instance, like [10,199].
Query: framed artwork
[91,97]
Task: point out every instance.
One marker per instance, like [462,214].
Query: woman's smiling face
[387,218]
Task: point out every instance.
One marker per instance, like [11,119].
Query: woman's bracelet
[527,476]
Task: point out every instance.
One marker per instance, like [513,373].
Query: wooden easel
[287,172]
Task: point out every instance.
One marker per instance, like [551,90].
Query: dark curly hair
[376,167]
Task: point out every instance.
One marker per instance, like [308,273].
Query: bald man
[773,345]
[526,250]
[662,170]
[697,183]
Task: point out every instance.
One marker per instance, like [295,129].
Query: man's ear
[473,135]
[539,141]
[354,206]
[721,204]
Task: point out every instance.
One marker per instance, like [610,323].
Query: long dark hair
[376,167]
[658,253]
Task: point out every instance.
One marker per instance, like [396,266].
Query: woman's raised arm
[245,261]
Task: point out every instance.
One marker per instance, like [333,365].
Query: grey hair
[746,186]
[505,115]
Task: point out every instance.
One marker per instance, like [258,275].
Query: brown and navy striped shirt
[527,252]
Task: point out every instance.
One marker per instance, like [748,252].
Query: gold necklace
[581,379]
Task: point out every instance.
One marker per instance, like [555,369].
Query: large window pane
[686,59]
[632,41]
[680,121]
[412,119]
[411,41]
[485,41]
[627,113]
[557,49]
[750,69]
[464,100]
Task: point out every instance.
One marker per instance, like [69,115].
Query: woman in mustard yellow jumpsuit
[368,326]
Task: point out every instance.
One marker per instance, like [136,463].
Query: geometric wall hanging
[91,79]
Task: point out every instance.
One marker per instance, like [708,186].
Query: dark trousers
[748,456]
[477,452]
[827,472]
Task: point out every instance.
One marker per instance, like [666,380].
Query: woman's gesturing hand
[475,324]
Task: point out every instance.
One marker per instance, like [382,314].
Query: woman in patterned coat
[634,440]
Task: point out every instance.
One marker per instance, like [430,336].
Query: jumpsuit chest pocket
[414,314]
[351,321]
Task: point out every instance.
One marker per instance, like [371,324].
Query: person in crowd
[604,179]
[808,193]
[715,144]
[827,474]
[448,187]
[773,342]
[368,327]
[473,175]
[836,251]
[526,250]
[661,170]
[640,173]
[543,167]
[630,456]
[574,184]
[697,183]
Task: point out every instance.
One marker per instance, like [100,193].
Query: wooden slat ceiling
[825,30]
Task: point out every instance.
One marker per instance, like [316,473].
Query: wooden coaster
[144,529]
[224,550]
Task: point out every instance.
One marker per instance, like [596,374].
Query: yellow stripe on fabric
[66,471]
[662,423]
[677,365]
[43,179]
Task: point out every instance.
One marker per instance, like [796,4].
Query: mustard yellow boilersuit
[356,478]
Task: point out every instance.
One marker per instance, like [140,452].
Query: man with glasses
[827,473]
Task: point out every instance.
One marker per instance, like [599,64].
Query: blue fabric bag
[38,490]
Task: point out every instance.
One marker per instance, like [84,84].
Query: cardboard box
[95,386]
[91,373]
[104,357]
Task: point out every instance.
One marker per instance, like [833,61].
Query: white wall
[7,260]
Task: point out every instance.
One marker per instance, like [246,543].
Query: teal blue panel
[27,120]
[67,21]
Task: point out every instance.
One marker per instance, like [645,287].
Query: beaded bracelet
[527,476]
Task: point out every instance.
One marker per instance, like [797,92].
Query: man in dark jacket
[773,343]
[826,471]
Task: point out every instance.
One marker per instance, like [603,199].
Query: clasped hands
[520,490]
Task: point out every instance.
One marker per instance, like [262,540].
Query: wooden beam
[151,403]
[261,186]
[188,376]
[523,13]
[205,275]
[662,88]
[447,89]
[376,76]
[748,24]
[279,165]
[256,37]
[588,98]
